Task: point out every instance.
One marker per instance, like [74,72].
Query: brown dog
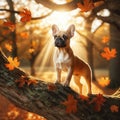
[65,60]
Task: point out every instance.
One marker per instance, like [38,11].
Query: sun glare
[61,19]
[59,1]
[96,23]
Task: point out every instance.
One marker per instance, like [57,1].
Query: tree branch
[43,101]
[61,7]
[33,18]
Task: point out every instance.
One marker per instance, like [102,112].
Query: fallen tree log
[46,99]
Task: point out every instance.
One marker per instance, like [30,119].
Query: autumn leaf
[10,25]
[24,35]
[21,81]
[105,39]
[1,22]
[5,32]
[24,80]
[31,50]
[98,100]
[86,6]
[109,54]
[31,82]
[51,87]
[13,62]
[25,15]
[8,47]
[33,44]
[84,98]
[104,81]
[71,104]
[114,108]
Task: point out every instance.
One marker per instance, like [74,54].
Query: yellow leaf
[104,81]
[8,47]
[13,62]
[31,50]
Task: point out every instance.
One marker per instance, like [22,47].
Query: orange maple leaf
[13,62]
[109,54]
[104,81]
[8,47]
[25,15]
[51,87]
[10,25]
[31,50]
[71,104]
[98,100]
[21,81]
[24,80]
[86,6]
[24,35]
[31,82]
[114,108]
[105,39]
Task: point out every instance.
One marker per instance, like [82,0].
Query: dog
[65,60]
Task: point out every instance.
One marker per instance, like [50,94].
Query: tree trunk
[48,103]
[91,58]
[115,62]
[90,46]
[13,34]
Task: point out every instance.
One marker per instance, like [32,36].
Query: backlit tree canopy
[26,38]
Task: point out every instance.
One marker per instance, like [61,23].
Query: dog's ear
[71,30]
[55,29]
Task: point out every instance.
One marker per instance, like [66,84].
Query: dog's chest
[63,61]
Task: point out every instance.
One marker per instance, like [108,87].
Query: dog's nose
[59,42]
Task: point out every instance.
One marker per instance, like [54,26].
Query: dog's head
[62,38]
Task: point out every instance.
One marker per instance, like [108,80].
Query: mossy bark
[48,103]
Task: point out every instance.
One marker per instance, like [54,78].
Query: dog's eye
[65,37]
[55,36]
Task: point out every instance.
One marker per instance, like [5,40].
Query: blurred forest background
[26,34]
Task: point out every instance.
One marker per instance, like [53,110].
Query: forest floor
[10,112]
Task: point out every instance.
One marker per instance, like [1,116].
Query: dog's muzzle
[60,41]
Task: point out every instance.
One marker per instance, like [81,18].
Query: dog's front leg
[69,76]
[58,75]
